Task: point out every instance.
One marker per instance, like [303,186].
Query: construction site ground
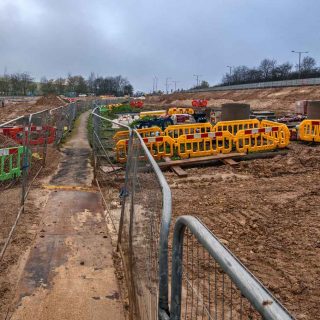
[59,264]
[280,100]
[19,106]
[267,212]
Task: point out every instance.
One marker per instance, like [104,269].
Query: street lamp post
[299,53]
[167,84]
[197,77]
[175,85]
[155,83]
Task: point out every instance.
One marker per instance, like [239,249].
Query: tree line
[270,70]
[24,84]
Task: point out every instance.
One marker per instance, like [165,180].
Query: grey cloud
[143,38]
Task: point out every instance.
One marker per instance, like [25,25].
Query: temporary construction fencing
[143,224]
[172,111]
[209,282]
[24,145]
[234,126]
[309,130]
[204,144]
[205,275]
[203,139]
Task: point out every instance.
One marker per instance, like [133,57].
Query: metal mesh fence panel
[142,230]
[208,282]
[103,146]
[12,154]
[24,144]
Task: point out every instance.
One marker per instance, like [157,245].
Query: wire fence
[143,223]
[24,145]
[207,281]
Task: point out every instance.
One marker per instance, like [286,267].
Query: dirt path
[69,273]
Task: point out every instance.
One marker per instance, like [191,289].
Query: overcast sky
[140,39]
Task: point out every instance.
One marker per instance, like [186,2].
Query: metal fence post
[45,147]
[125,195]
[25,161]
[176,276]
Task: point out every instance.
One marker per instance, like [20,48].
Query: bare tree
[47,86]
[26,81]
[60,85]
[267,67]
[308,65]
[282,71]
[5,85]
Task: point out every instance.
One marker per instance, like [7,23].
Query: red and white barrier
[261,130]
[211,135]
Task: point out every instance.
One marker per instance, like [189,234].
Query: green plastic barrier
[10,163]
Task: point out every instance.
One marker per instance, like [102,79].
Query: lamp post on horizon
[175,84]
[155,83]
[197,77]
[167,84]
[300,53]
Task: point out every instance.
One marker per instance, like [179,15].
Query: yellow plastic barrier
[257,139]
[172,111]
[145,132]
[199,139]
[204,144]
[175,131]
[121,150]
[156,113]
[309,130]
[282,135]
[159,147]
[234,126]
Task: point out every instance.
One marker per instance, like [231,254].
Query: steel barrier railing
[143,224]
[209,282]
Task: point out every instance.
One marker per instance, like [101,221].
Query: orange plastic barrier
[37,134]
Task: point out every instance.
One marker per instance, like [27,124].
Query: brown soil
[17,107]
[49,100]
[267,212]
[280,100]
[23,237]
